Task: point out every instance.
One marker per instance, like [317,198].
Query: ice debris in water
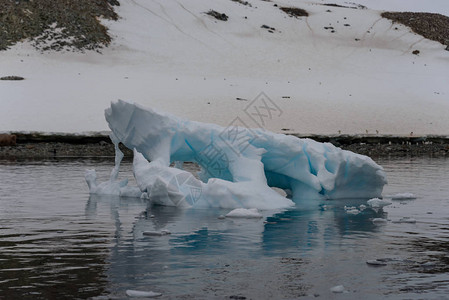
[156,233]
[113,186]
[244,213]
[352,210]
[378,203]
[379,221]
[376,262]
[403,196]
[142,294]
[405,220]
[238,165]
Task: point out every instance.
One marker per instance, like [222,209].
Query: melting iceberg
[239,166]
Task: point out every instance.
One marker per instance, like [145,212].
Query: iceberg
[240,167]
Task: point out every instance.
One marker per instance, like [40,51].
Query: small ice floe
[130,192]
[406,220]
[142,294]
[378,203]
[403,196]
[221,217]
[324,207]
[352,210]
[268,222]
[251,213]
[338,289]
[376,262]
[379,221]
[362,207]
[156,233]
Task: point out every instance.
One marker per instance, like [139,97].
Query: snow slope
[171,56]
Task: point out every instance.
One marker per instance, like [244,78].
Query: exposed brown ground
[77,23]
[53,146]
[430,25]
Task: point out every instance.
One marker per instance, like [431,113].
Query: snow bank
[171,55]
[238,165]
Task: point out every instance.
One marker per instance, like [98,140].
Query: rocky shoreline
[40,146]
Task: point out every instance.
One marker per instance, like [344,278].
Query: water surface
[57,242]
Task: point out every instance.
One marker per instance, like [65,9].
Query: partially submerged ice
[238,165]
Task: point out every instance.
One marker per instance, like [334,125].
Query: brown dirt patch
[294,11]
[56,24]
[430,25]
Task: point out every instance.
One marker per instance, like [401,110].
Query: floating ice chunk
[338,289]
[352,210]
[403,196]
[378,203]
[406,220]
[379,221]
[244,213]
[238,165]
[142,294]
[375,262]
[113,186]
[362,207]
[156,233]
[130,191]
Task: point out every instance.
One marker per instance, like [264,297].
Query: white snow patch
[338,289]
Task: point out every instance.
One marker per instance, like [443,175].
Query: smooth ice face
[238,165]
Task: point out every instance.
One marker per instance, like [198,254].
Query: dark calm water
[57,242]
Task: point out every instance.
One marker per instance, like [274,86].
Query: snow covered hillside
[339,70]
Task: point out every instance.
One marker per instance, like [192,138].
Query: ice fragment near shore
[142,294]
[251,213]
[403,196]
[378,203]
[338,289]
[238,165]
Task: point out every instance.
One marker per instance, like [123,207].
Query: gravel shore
[37,146]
